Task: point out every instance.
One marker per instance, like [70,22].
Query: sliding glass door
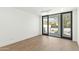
[67,25]
[54,25]
[44,25]
[58,25]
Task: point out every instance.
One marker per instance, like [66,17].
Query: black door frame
[60,26]
[47,25]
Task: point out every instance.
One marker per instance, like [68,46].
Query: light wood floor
[42,43]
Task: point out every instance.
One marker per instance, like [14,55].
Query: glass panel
[66,18]
[44,25]
[54,25]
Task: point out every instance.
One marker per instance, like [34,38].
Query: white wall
[74,23]
[78,26]
[40,25]
[17,25]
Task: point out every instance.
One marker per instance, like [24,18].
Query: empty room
[39,29]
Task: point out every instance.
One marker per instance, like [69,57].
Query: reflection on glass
[66,25]
[45,25]
[54,25]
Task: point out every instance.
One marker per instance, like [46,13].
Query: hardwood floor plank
[42,43]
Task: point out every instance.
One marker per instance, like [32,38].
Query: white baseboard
[14,41]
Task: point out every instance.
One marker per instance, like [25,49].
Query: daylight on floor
[39,29]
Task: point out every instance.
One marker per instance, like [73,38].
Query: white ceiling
[45,10]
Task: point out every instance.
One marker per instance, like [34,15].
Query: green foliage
[53,24]
[66,22]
